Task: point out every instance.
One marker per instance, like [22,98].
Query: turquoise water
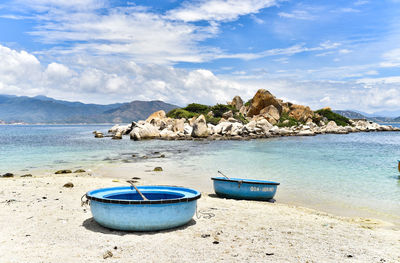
[356,170]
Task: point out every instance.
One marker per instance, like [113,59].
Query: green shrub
[331,116]
[220,109]
[241,118]
[212,120]
[197,108]
[285,116]
[181,113]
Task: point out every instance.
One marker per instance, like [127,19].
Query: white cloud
[217,10]
[105,81]
[298,14]
[391,58]
[289,51]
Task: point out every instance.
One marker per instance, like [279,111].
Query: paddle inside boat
[248,189]
[143,208]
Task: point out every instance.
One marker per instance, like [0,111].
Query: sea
[354,174]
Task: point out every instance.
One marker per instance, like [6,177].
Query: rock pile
[262,116]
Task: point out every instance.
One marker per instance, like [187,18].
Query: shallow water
[354,171]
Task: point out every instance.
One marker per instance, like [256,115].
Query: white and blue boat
[145,208]
[248,189]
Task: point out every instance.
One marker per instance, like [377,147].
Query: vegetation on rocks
[287,121]
[181,113]
[220,109]
[331,116]
[195,109]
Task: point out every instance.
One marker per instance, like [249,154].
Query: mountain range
[362,115]
[42,109]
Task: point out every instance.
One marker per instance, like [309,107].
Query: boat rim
[244,181]
[143,202]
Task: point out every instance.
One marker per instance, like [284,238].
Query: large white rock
[187,129]
[168,134]
[178,125]
[144,131]
[200,127]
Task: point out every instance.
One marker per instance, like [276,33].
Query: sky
[342,54]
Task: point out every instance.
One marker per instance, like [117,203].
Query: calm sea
[354,171]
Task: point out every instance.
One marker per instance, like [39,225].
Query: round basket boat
[244,188]
[123,208]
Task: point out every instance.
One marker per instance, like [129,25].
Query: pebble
[8,175]
[107,254]
[63,172]
[205,235]
[68,185]
[26,175]
[158,169]
[80,171]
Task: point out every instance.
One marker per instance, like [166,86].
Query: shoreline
[39,213]
[179,177]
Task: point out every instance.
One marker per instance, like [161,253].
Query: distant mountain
[42,109]
[350,114]
[360,115]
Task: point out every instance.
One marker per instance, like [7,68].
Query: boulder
[79,171]
[263,98]
[237,102]
[243,110]
[144,131]
[192,121]
[98,134]
[117,136]
[123,129]
[200,127]
[300,112]
[178,125]
[187,129]
[168,134]
[267,117]
[272,111]
[7,175]
[156,115]
[227,115]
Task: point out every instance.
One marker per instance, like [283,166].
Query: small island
[263,116]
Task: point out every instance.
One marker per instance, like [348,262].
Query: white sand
[58,229]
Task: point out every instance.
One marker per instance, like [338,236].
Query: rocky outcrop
[200,128]
[261,100]
[237,102]
[263,120]
[300,112]
[156,115]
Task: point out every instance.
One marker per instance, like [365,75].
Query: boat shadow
[91,225]
[218,197]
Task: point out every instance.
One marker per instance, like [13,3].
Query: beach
[42,221]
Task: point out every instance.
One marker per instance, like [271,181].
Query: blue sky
[343,54]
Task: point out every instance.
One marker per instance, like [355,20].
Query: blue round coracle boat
[244,188]
[123,208]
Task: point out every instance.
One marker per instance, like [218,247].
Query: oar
[224,175]
[137,190]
